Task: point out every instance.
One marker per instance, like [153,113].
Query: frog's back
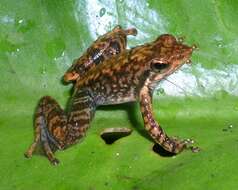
[118,79]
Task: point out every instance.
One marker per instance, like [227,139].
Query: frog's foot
[131,31]
[29,152]
[31,149]
[50,154]
[47,149]
[185,144]
[54,130]
[177,145]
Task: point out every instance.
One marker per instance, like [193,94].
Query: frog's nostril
[194,47]
[188,61]
[181,39]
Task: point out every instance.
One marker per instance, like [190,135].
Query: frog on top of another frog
[129,76]
[106,46]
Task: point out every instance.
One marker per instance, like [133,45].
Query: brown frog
[106,46]
[129,76]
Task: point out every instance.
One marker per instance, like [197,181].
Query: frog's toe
[178,145]
[188,142]
[55,162]
[27,155]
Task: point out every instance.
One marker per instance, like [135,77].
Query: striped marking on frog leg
[46,143]
[154,129]
[82,110]
[53,128]
[49,120]
[55,121]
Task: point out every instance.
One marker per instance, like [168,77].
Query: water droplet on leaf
[220,45]
[102,12]
[20,21]
[160,91]
[24,25]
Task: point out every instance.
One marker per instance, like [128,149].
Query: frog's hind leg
[50,126]
[80,114]
[55,129]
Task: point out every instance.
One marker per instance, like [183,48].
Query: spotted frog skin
[127,77]
[106,46]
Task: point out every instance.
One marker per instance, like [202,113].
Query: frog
[106,46]
[131,76]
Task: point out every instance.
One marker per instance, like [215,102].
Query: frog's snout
[188,53]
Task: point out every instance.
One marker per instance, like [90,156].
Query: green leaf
[38,42]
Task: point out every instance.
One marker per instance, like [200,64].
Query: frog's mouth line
[171,82]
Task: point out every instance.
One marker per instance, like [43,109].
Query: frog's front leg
[54,129]
[154,129]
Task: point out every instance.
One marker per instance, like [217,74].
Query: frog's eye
[78,68]
[97,56]
[115,46]
[160,65]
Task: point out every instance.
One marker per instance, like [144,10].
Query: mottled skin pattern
[129,76]
[106,46]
